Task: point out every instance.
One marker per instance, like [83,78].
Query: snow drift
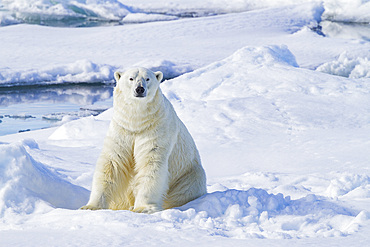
[255,213]
[79,71]
[83,71]
[28,186]
[352,65]
[287,102]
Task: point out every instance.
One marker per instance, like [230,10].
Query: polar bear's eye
[147,79]
[131,79]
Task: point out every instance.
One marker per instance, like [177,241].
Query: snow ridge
[255,213]
[28,186]
[79,71]
[84,71]
[349,65]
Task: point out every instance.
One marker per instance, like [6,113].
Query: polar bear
[149,161]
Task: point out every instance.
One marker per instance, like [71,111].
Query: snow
[280,115]
[143,17]
[348,65]
[6,19]
[62,9]
[248,214]
[28,186]
[79,71]
[47,11]
[337,10]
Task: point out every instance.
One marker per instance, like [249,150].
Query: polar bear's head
[138,82]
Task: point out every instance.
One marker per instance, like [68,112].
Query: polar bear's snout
[140,88]
[140,91]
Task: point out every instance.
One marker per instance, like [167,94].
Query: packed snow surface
[280,115]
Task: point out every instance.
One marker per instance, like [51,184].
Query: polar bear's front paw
[149,209]
[89,207]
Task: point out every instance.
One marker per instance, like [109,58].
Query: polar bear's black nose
[140,90]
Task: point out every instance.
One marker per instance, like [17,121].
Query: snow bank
[79,71]
[258,95]
[254,82]
[348,64]
[6,19]
[83,131]
[84,71]
[354,185]
[228,78]
[332,186]
[28,186]
[255,213]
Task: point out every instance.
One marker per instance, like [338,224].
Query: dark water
[72,22]
[345,30]
[35,107]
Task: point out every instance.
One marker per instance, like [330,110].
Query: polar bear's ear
[117,75]
[159,75]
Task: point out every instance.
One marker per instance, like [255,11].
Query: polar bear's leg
[151,180]
[191,185]
[109,182]
[150,189]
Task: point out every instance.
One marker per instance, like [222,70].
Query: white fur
[149,161]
